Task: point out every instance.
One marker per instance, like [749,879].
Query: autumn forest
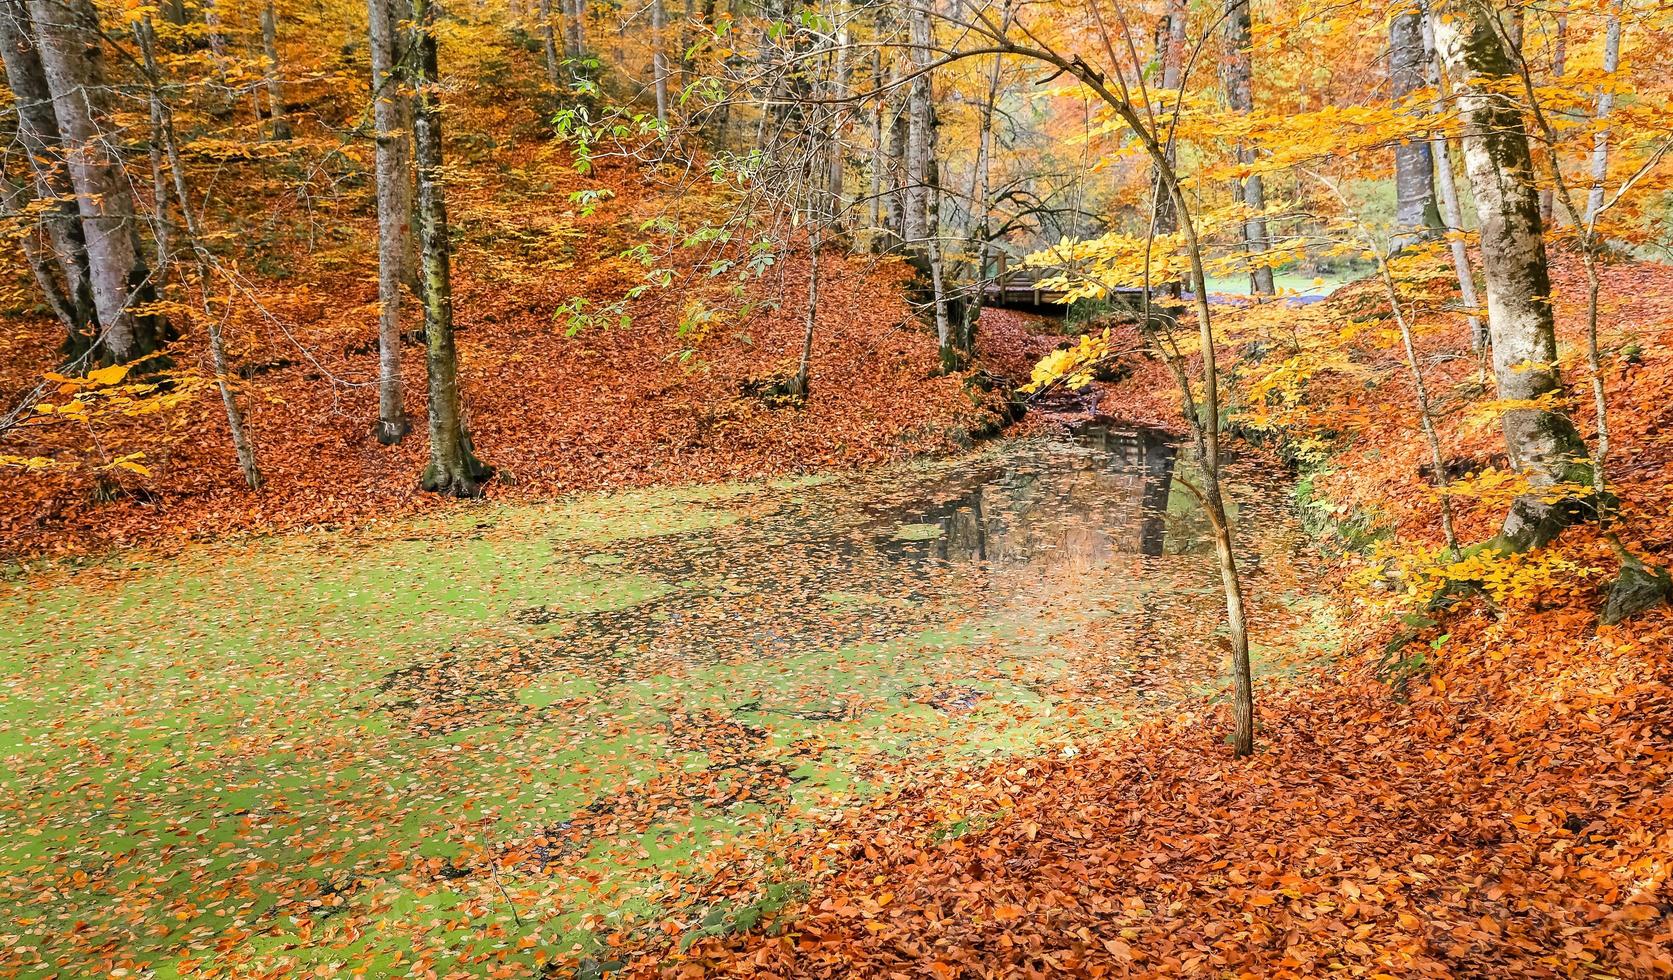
[836,488]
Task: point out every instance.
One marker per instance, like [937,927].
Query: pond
[430,740]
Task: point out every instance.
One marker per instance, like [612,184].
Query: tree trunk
[1605,104]
[917,133]
[1543,443]
[72,61]
[879,159]
[1240,95]
[659,62]
[454,468]
[982,188]
[1238,78]
[1173,70]
[952,350]
[575,27]
[1415,216]
[549,44]
[163,117]
[836,171]
[1559,66]
[981,218]
[212,26]
[1479,339]
[64,279]
[799,387]
[275,87]
[394,221]
[1452,213]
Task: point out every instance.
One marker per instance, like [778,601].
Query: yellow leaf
[108,375]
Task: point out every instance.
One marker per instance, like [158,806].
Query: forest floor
[613,406]
[488,740]
[1480,790]
[308,750]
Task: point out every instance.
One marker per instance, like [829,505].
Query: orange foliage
[611,407]
[1504,813]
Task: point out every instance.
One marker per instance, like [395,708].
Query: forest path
[476,740]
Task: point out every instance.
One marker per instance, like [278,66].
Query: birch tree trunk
[1605,105]
[1446,181]
[1543,443]
[917,132]
[394,220]
[659,61]
[981,218]
[982,186]
[1454,214]
[275,86]
[1415,216]
[879,158]
[899,172]
[72,62]
[454,468]
[1239,85]
[923,199]
[67,284]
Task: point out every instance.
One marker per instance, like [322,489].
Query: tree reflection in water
[1057,510]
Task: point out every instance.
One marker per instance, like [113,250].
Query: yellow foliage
[1073,366]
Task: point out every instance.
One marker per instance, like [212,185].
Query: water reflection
[1007,535]
[1056,506]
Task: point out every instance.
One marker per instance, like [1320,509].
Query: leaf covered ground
[485,742]
[1481,790]
[613,406]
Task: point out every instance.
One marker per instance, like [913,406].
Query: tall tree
[923,192]
[1605,105]
[64,278]
[1172,55]
[549,44]
[394,188]
[575,27]
[272,77]
[72,60]
[1451,211]
[981,216]
[214,31]
[1415,215]
[659,61]
[454,468]
[1238,80]
[1559,65]
[915,198]
[1543,442]
[162,115]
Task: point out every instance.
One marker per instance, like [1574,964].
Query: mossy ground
[474,742]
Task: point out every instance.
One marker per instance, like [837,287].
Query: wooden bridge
[1020,289]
